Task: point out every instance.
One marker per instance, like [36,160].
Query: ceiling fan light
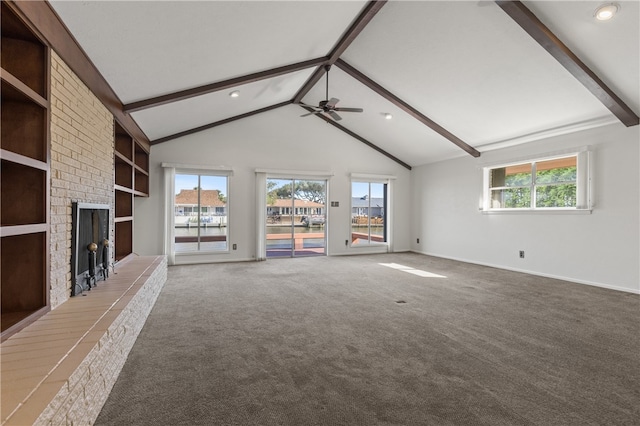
[234,94]
[606,11]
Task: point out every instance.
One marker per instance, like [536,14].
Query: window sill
[199,253]
[372,244]
[537,211]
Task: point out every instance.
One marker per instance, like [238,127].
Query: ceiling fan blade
[308,106]
[331,103]
[334,115]
[312,113]
[349,109]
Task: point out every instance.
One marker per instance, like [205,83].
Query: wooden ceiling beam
[218,123]
[406,107]
[345,41]
[358,137]
[221,85]
[517,11]
[348,37]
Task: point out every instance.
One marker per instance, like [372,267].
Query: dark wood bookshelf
[25,169]
[131,163]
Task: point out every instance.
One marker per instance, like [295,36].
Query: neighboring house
[283,206]
[211,205]
[360,207]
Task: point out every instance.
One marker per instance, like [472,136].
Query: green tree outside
[554,188]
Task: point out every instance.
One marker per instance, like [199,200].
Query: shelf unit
[25,169]
[131,163]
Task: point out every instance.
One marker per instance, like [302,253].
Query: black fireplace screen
[90,224]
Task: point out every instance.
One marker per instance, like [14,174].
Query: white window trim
[584,184]
[297,174]
[170,171]
[358,177]
[373,178]
[199,169]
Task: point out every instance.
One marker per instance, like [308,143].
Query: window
[559,183]
[200,213]
[368,213]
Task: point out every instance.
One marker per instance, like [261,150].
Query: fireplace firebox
[90,257]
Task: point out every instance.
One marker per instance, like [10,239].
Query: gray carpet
[323,341]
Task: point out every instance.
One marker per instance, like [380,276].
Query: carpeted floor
[324,341]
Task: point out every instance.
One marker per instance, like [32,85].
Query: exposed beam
[356,28]
[406,107]
[348,37]
[221,85]
[358,137]
[218,123]
[552,44]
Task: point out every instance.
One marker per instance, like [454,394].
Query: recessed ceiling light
[388,116]
[606,11]
[234,94]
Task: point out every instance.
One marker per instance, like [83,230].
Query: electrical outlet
[417,240]
[346,242]
[235,247]
[521,254]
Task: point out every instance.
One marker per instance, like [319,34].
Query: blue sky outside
[360,189]
[206,182]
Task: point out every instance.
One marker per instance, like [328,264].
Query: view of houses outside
[368,212]
[295,217]
[211,205]
[293,207]
[200,213]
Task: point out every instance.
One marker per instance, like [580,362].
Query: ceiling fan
[328,106]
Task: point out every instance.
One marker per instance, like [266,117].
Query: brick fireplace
[61,367]
[82,150]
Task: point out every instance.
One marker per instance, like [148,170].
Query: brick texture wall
[79,402]
[82,145]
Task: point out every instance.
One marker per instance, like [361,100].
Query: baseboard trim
[539,274]
[205,261]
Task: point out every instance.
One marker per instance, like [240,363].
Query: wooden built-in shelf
[124,239]
[10,231]
[23,53]
[10,81]
[131,162]
[23,193]
[141,157]
[124,204]
[124,173]
[21,159]
[124,144]
[24,181]
[24,122]
[141,182]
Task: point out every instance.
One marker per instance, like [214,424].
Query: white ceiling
[464,64]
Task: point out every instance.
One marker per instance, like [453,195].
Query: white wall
[600,249]
[282,140]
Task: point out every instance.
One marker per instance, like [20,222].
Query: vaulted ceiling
[458,77]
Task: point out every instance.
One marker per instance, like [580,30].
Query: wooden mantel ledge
[38,362]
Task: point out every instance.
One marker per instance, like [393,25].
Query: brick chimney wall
[82,148]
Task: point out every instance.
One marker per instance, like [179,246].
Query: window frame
[203,210]
[386,210]
[171,170]
[584,187]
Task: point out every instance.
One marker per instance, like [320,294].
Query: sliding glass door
[296,217]
[200,213]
